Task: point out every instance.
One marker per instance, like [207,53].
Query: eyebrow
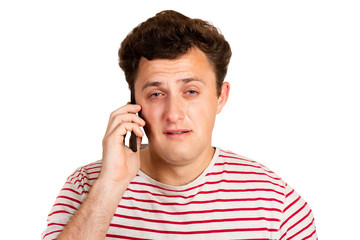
[183,80]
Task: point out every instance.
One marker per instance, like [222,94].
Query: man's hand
[120,164]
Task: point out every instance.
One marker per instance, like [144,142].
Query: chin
[175,154]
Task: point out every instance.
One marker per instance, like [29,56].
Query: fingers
[123,128]
[128,108]
[122,121]
[116,120]
[126,113]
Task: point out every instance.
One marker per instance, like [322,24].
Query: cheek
[203,117]
[151,117]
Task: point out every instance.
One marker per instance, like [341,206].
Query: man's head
[175,67]
[169,35]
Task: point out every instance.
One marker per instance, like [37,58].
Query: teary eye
[155,95]
[192,92]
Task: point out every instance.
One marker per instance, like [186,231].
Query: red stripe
[243,181]
[208,192]
[294,225]
[245,159]
[301,230]
[71,199]
[283,236]
[79,172]
[242,164]
[188,189]
[290,193]
[195,232]
[125,237]
[71,178]
[71,190]
[201,211]
[74,191]
[199,221]
[241,172]
[87,168]
[225,151]
[65,205]
[202,202]
[60,211]
[56,224]
[81,186]
[72,175]
[51,233]
[291,204]
[85,172]
[207,183]
[96,172]
[302,219]
[81,179]
[292,215]
[255,239]
[86,192]
[237,157]
[311,234]
[84,185]
[84,175]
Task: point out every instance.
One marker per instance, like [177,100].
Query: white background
[294,103]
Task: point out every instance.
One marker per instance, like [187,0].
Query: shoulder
[247,168]
[84,176]
[231,157]
[296,215]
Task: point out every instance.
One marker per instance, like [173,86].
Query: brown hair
[168,35]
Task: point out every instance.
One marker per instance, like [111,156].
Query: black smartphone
[133,138]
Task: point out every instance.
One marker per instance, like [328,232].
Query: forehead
[192,65]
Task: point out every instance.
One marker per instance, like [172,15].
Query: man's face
[179,104]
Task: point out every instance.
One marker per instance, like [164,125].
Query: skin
[178,103]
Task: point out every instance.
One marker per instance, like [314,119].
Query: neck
[171,174]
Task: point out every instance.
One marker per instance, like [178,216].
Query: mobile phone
[133,138]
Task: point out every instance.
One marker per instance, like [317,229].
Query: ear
[224,95]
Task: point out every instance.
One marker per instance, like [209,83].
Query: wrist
[108,187]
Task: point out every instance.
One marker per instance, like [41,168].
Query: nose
[174,109]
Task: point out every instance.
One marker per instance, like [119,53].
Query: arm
[119,166]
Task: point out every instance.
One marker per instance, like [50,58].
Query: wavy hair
[168,35]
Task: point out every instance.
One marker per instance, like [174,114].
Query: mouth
[177,132]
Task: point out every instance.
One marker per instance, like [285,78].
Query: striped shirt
[234,198]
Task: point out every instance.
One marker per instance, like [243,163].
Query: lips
[176,131]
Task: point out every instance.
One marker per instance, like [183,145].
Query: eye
[155,95]
[192,92]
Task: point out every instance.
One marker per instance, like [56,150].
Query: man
[179,186]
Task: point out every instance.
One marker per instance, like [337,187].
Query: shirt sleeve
[67,202]
[297,221]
